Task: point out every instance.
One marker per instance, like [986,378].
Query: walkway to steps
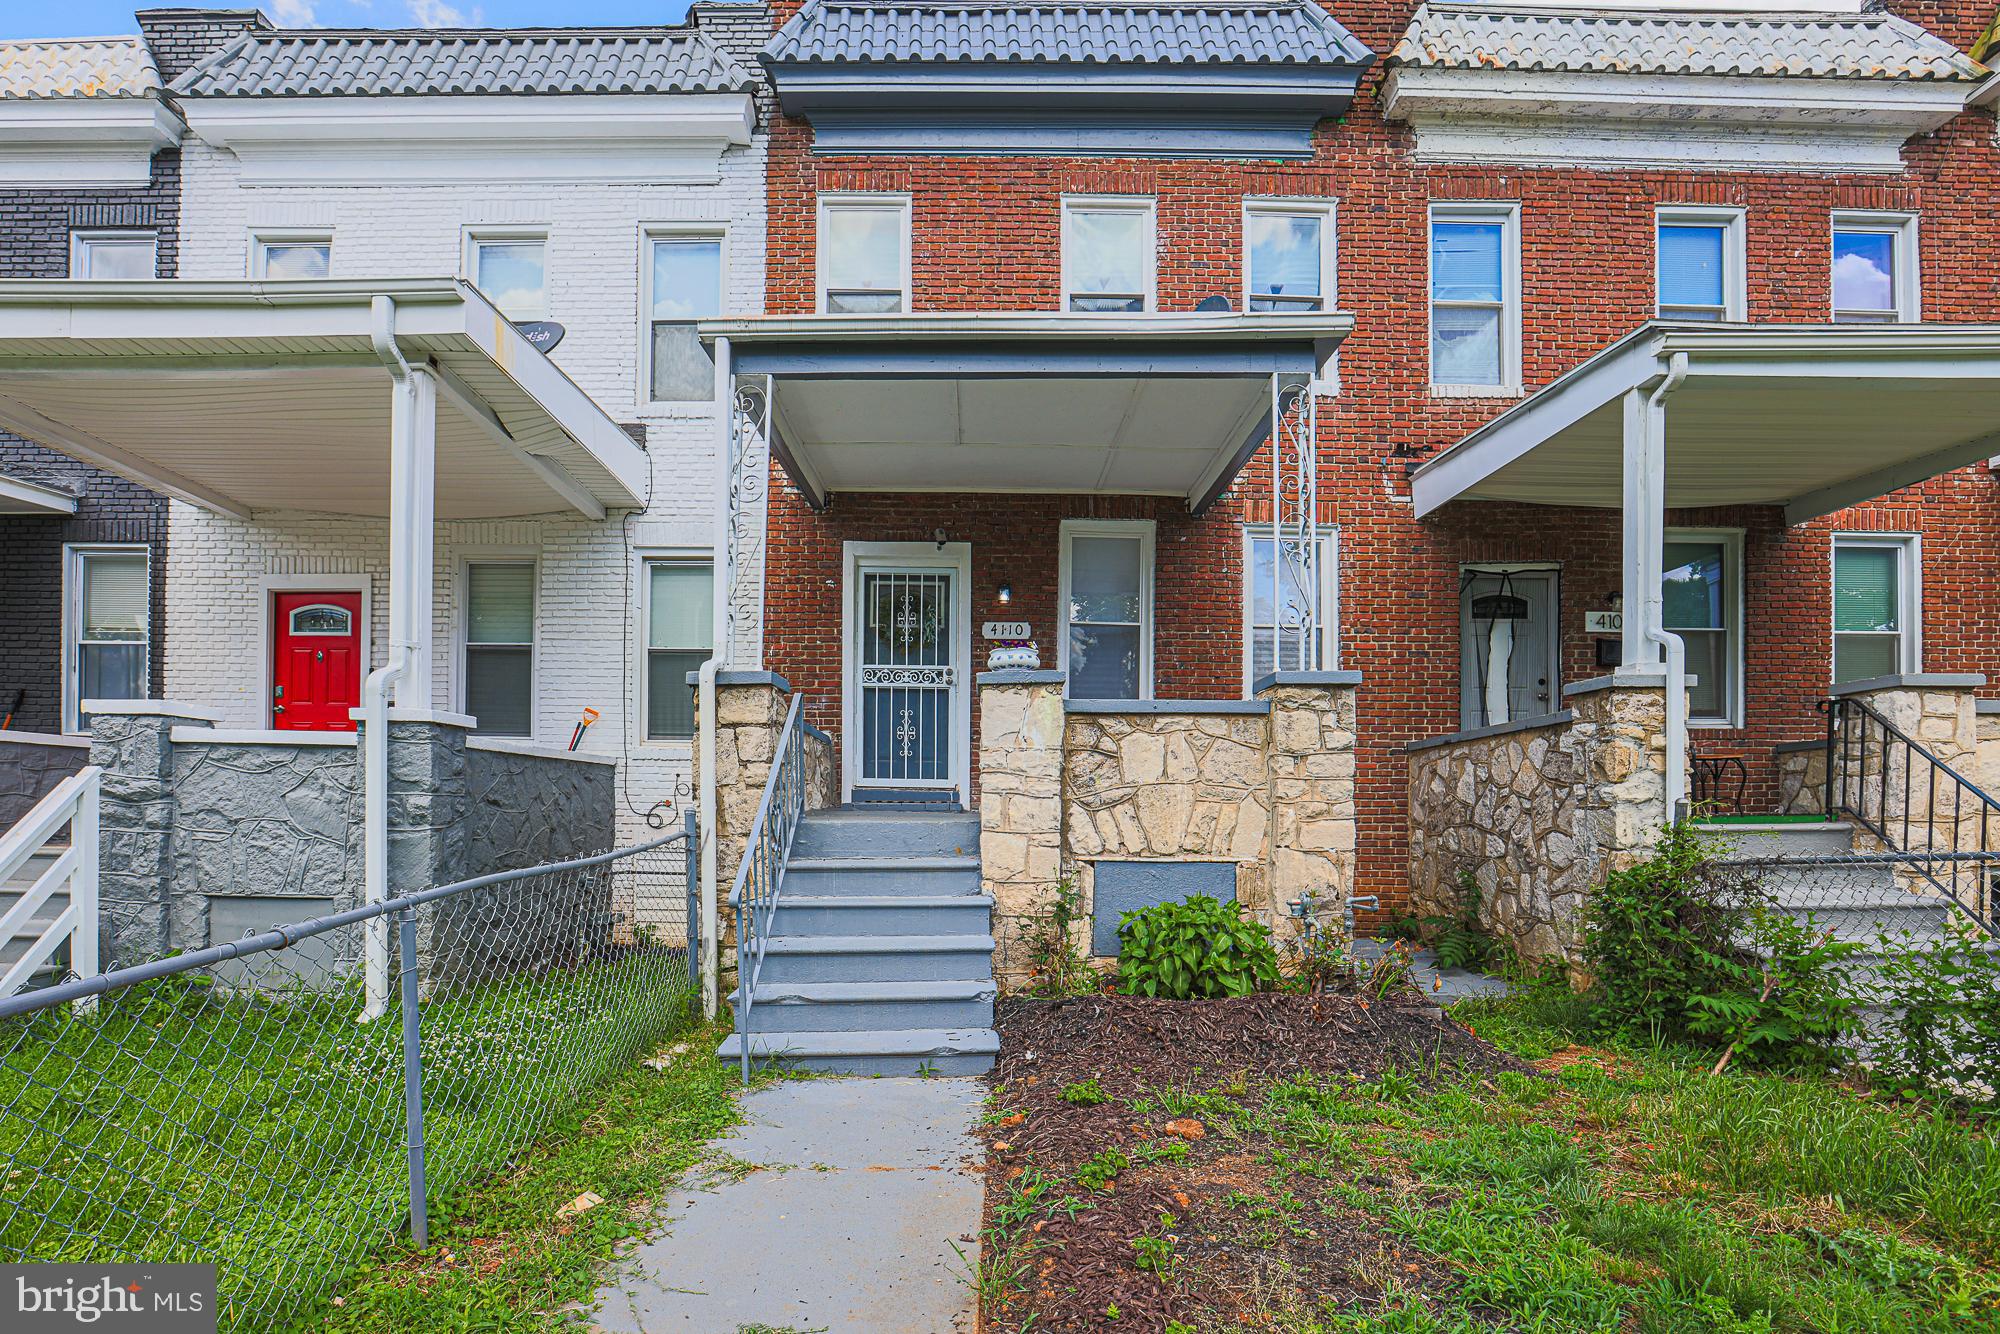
[880,960]
[863,1196]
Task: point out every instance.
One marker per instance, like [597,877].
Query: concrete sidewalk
[861,1189]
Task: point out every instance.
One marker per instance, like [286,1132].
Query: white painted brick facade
[587,625]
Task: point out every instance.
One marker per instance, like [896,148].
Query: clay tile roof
[78,67]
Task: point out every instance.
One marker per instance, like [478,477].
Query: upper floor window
[1874,268]
[864,254]
[1288,255]
[683,284]
[1107,254]
[114,255]
[280,258]
[1475,297]
[510,269]
[1699,263]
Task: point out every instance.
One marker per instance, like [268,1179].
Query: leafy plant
[1085,1093]
[1318,960]
[1782,1003]
[1155,1250]
[1103,1169]
[1941,1023]
[1197,948]
[1055,959]
[1457,938]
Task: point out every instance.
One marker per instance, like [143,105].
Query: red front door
[315,661]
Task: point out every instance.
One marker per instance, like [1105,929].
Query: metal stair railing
[72,804]
[1889,784]
[755,893]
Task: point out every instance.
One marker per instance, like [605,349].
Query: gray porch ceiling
[242,396]
[1169,405]
[1813,418]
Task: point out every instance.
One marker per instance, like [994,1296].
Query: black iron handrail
[1960,867]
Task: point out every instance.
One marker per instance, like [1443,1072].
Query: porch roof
[1171,405]
[247,396]
[21,496]
[1813,418]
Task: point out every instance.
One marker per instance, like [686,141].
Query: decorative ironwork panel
[1295,543]
[907,677]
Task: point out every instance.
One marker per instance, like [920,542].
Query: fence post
[84,897]
[691,847]
[413,1079]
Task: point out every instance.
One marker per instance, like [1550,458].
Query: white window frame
[1148,208]
[1902,226]
[72,623]
[1909,590]
[461,628]
[1145,531]
[1735,254]
[475,237]
[1326,211]
[649,233]
[887,201]
[1328,571]
[262,240]
[645,559]
[1732,609]
[81,241]
[1508,215]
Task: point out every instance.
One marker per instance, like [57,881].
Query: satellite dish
[544,334]
[1214,305]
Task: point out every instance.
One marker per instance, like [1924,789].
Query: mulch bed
[1230,1263]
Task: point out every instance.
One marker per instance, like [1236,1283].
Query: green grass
[180,1121]
[504,1261]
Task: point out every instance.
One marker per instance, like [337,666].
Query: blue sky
[93,18]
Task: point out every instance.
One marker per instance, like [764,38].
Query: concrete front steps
[880,959]
[13,947]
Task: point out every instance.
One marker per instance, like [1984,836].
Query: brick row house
[1319,455]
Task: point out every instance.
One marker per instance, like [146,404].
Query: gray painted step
[877,959]
[889,915]
[887,834]
[847,1007]
[824,877]
[11,890]
[905,1051]
[1781,840]
[31,870]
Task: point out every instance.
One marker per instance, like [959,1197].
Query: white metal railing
[73,805]
[762,871]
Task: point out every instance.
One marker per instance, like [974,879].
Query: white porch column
[1644,531]
[416,545]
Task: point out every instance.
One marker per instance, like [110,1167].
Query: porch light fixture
[1006,594]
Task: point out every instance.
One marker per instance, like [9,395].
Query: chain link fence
[284,1105]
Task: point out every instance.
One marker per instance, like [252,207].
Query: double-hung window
[1274,598]
[1288,255]
[1874,276]
[291,256]
[1107,608]
[1475,277]
[111,256]
[107,625]
[1698,263]
[1702,594]
[510,269]
[500,646]
[683,284]
[1875,606]
[1108,254]
[680,628]
[864,254]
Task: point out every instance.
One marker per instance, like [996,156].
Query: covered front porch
[1737,608]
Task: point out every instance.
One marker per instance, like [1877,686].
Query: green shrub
[1084,1093]
[1195,949]
[1056,961]
[1457,939]
[1941,1020]
[1102,1169]
[1683,950]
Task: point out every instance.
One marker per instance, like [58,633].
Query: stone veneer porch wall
[31,766]
[750,709]
[1539,812]
[1267,785]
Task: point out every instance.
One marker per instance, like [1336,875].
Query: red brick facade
[985,237]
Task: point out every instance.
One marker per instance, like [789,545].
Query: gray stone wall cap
[1794,747]
[438,716]
[1271,679]
[243,736]
[1022,676]
[1164,706]
[732,678]
[13,738]
[1986,706]
[536,749]
[1560,719]
[1912,681]
[153,708]
[1625,681]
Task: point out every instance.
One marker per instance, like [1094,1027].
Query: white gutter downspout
[705,711]
[1655,464]
[402,644]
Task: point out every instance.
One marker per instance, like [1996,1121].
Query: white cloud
[438,14]
[293,13]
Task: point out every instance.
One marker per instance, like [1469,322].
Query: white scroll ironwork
[749,481]
[1295,544]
